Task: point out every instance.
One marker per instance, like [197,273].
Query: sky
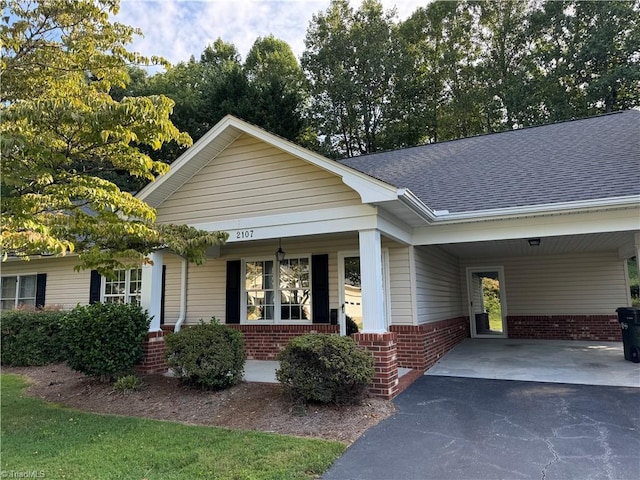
[177,29]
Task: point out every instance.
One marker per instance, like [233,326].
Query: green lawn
[58,442]
[495,321]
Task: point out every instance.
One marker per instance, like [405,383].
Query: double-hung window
[124,287]
[277,291]
[18,291]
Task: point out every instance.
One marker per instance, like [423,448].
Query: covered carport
[556,307]
[554,287]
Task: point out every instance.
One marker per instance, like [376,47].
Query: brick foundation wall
[265,342]
[420,346]
[383,347]
[565,327]
[153,361]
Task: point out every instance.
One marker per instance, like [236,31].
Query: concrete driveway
[558,361]
[470,428]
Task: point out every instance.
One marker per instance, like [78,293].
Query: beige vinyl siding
[66,288]
[207,283]
[580,284]
[402,305]
[251,178]
[438,287]
[172,286]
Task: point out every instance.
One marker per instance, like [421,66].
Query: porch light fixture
[280,253]
[534,242]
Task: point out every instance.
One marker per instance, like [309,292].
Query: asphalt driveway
[469,428]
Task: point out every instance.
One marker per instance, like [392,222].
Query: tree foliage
[466,67]
[266,90]
[349,61]
[62,134]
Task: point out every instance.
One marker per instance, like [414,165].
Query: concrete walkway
[469,428]
[264,371]
[559,361]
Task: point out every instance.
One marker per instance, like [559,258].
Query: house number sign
[243,234]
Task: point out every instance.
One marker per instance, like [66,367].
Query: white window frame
[127,286]
[277,304]
[17,298]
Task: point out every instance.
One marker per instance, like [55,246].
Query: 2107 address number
[244,234]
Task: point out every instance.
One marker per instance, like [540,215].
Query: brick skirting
[420,346]
[153,361]
[383,347]
[265,342]
[565,327]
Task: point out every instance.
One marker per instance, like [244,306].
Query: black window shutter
[164,281]
[41,288]
[320,288]
[94,287]
[232,310]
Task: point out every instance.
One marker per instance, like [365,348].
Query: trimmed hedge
[105,339]
[31,338]
[208,355]
[325,369]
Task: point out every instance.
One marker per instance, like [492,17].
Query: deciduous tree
[61,132]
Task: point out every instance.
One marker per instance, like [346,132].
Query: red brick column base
[604,328]
[383,347]
[153,361]
[265,342]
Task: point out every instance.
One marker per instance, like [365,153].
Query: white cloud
[178,29]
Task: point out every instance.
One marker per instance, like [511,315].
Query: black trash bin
[629,318]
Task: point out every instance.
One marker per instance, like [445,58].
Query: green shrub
[105,339]
[325,369]
[31,338]
[127,383]
[208,355]
[352,327]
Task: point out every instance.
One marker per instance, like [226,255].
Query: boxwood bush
[105,340]
[325,369]
[31,338]
[208,355]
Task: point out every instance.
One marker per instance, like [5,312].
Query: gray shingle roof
[587,159]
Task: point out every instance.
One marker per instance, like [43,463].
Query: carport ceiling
[548,245]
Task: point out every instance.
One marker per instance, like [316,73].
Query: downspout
[183,296]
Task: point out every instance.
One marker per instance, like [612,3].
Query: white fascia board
[632,201]
[416,205]
[186,157]
[574,223]
[284,225]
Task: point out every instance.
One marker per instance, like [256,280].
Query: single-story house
[519,234]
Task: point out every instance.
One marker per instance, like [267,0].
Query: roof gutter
[416,205]
[443,216]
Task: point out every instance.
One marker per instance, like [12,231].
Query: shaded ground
[247,406]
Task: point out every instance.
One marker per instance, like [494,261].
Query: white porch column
[151,295]
[637,243]
[373,320]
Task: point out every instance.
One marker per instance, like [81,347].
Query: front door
[487,302]
[350,291]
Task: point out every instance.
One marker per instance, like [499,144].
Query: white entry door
[350,290]
[350,286]
[487,302]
